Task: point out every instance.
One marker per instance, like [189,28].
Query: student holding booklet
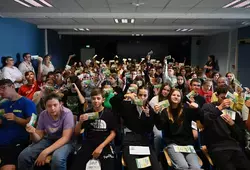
[175,121]
[161,97]
[224,136]
[15,113]
[52,135]
[138,126]
[99,126]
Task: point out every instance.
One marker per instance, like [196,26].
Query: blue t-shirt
[10,131]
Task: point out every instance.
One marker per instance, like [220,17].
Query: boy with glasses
[15,114]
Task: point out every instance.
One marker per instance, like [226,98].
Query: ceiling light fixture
[124,21]
[243,4]
[46,3]
[75,29]
[34,3]
[81,29]
[231,3]
[137,4]
[86,29]
[184,29]
[245,23]
[22,3]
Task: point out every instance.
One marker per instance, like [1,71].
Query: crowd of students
[95,114]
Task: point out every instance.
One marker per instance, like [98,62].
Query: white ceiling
[155,17]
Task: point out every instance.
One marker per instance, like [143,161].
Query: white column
[46,41]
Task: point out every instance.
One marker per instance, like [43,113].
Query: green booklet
[132,90]
[190,95]
[157,86]
[107,90]
[33,119]
[2,112]
[247,96]
[93,115]
[87,82]
[231,113]
[138,102]
[231,97]
[164,104]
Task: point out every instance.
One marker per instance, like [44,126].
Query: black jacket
[218,135]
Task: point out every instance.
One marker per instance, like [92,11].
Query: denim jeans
[29,155]
[183,161]
[158,144]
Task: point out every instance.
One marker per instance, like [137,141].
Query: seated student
[223,135]
[73,95]
[175,121]
[15,114]
[108,94]
[181,84]
[222,82]
[195,87]
[98,134]
[163,95]
[205,90]
[138,126]
[52,136]
[32,84]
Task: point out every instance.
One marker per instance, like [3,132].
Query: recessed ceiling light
[116,21]
[243,4]
[81,29]
[184,29]
[75,29]
[46,3]
[245,23]
[87,29]
[137,4]
[22,3]
[34,3]
[124,21]
[232,3]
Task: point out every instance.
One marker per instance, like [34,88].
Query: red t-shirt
[29,90]
[206,95]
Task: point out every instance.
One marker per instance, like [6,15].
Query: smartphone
[34,57]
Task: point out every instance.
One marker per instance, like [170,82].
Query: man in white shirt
[9,71]
[26,65]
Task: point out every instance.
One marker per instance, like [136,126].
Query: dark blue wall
[244,57]
[19,37]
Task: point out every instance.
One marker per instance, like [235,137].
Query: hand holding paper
[30,129]
[227,119]
[83,118]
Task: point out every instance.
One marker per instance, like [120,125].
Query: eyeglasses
[196,85]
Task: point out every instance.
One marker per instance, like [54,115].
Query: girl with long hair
[138,123]
[175,121]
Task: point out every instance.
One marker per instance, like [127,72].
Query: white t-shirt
[47,69]
[24,67]
[154,101]
[13,74]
